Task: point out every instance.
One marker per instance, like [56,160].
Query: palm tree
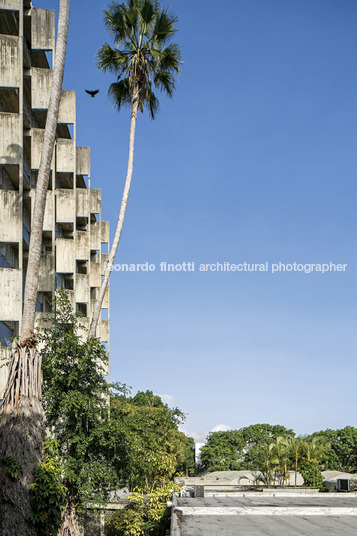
[282,453]
[143,60]
[296,446]
[22,418]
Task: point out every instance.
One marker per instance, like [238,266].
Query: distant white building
[198,447]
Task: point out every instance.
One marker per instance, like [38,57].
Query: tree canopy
[148,445]
[143,58]
[239,449]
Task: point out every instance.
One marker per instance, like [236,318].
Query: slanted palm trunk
[22,418]
[124,201]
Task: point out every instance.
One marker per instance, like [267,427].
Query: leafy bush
[311,475]
[146,515]
[48,495]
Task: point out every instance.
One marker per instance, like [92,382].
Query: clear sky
[254,160]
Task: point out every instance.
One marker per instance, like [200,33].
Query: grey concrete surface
[267,526]
[253,515]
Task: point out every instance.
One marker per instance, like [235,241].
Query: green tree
[312,475]
[148,445]
[240,449]
[345,447]
[143,59]
[267,462]
[22,415]
[188,464]
[223,451]
[258,435]
[342,454]
[76,406]
[296,447]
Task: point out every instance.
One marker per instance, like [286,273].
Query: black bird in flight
[92,93]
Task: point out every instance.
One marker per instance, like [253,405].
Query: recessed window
[9,255]
[81,223]
[81,267]
[81,308]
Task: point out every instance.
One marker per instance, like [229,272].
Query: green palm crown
[142,58]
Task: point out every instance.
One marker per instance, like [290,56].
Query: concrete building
[74,236]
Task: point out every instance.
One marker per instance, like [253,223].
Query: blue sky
[253,160]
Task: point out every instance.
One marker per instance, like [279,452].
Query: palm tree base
[21,438]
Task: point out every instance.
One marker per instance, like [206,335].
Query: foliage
[142,58]
[342,455]
[240,449]
[257,435]
[312,475]
[187,466]
[48,495]
[148,446]
[145,515]
[223,451]
[12,466]
[75,398]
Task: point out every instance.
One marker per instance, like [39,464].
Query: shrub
[312,475]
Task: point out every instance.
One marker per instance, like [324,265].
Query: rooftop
[271,515]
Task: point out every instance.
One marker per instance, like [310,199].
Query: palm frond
[165,81]
[164,27]
[151,103]
[120,93]
[147,12]
[112,59]
[169,58]
[120,20]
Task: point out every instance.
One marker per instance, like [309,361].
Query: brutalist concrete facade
[74,234]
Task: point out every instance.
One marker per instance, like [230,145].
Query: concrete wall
[9,4]
[83,161]
[41,80]
[82,204]
[37,135]
[49,217]
[65,206]
[10,66]
[95,201]
[65,256]
[82,245]
[67,109]
[10,216]
[65,155]
[11,294]
[94,276]
[95,236]
[11,139]
[47,272]
[82,288]
[42,29]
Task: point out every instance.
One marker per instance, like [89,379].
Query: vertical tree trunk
[71,525]
[119,228]
[22,418]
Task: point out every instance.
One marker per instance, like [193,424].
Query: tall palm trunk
[22,418]
[124,202]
